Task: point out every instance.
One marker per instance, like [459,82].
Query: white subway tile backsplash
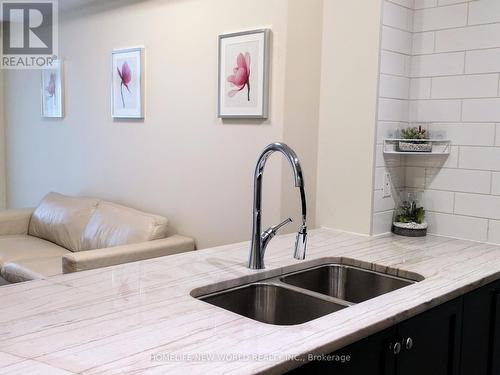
[468,38]
[439,201]
[388,161]
[421,4]
[483,110]
[487,206]
[440,18]
[495,184]
[420,88]
[435,110]
[396,177]
[395,63]
[484,11]
[423,43]
[381,204]
[388,129]
[484,158]
[393,110]
[410,4]
[382,222]
[482,61]
[494,232]
[460,180]
[438,64]
[452,58]
[415,177]
[458,226]
[396,40]
[397,16]
[467,86]
[464,134]
[451,2]
[394,87]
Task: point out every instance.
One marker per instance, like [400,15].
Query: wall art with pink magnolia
[52,90]
[128,83]
[244,74]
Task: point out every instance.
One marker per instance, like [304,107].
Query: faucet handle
[269,234]
[276,228]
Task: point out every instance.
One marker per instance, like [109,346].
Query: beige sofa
[65,234]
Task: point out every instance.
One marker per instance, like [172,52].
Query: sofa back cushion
[114,225]
[62,220]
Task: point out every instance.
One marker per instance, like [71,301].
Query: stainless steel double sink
[299,297]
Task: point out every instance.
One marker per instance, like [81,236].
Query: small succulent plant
[414,133]
[410,213]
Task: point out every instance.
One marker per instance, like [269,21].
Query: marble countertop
[139,318]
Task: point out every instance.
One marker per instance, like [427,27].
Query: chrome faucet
[261,240]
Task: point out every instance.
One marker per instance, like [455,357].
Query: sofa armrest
[15,222]
[111,256]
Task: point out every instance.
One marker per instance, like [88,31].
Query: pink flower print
[125,76]
[241,75]
[51,87]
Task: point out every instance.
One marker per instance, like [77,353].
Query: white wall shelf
[439,146]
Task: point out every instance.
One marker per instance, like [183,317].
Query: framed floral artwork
[127,85]
[244,74]
[52,90]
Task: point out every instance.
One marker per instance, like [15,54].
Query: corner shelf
[439,147]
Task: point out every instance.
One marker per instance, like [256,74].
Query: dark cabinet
[461,337]
[426,344]
[481,331]
[369,356]
[431,342]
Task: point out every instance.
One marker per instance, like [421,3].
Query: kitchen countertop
[139,318]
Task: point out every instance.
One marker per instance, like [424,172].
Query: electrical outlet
[387,192]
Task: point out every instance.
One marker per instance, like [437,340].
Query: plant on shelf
[410,219]
[413,140]
[414,133]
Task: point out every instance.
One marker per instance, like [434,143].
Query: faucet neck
[258,246]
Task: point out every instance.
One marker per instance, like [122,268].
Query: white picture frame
[243,74]
[52,91]
[127,83]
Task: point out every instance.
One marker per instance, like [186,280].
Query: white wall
[349,81]
[181,161]
[302,88]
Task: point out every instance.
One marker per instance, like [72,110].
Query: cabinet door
[495,342]
[431,341]
[481,323]
[368,356]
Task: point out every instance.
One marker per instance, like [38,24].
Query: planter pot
[410,229]
[414,146]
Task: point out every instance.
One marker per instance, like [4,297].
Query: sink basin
[346,283]
[272,304]
[301,296]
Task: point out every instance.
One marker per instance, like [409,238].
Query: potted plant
[409,220]
[414,140]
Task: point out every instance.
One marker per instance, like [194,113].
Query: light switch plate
[387,192]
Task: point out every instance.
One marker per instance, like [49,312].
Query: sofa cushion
[114,225]
[13,248]
[62,220]
[31,269]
